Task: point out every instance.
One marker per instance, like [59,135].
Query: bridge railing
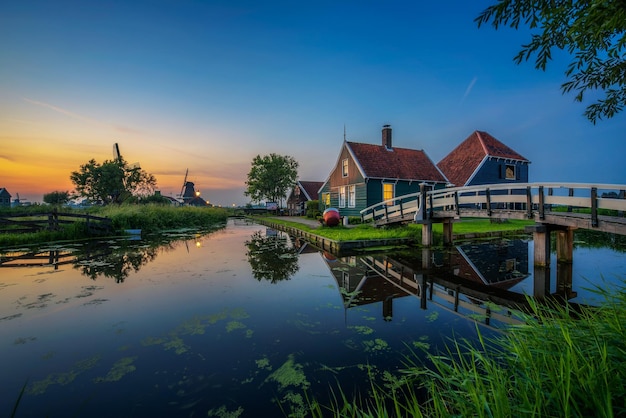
[526,199]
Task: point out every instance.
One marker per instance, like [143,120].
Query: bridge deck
[597,207]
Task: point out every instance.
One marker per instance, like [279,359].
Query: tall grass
[148,218]
[560,363]
[153,218]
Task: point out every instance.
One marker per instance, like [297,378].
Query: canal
[247,321]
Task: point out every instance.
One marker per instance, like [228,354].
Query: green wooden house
[366,174]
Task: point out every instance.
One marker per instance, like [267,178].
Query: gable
[310,189]
[460,165]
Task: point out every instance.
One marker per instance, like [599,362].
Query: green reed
[560,363]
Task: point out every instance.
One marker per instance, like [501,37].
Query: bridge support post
[565,245]
[447,231]
[427,234]
[541,240]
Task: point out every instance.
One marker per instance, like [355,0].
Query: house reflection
[470,280]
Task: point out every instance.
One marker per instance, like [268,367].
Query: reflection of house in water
[360,285]
[500,264]
[470,281]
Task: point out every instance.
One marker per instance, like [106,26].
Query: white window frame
[352,196]
[342,197]
[344,167]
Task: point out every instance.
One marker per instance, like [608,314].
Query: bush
[313,209]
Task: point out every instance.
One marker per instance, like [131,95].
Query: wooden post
[542,214]
[447,231]
[541,240]
[488,197]
[529,203]
[565,245]
[427,234]
[456,203]
[594,207]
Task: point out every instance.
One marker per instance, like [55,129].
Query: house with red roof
[366,174]
[482,159]
[301,193]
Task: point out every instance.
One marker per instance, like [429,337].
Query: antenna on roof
[344,131]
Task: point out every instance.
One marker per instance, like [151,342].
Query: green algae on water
[119,370]
[289,374]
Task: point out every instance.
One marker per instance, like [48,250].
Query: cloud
[118,128]
[63,111]
[469,88]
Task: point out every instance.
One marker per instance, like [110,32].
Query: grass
[148,218]
[559,363]
[413,231]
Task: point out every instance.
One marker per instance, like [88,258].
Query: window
[352,196]
[388,192]
[344,168]
[326,199]
[297,191]
[509,172]
[342,197]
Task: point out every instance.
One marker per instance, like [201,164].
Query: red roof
[311,188]
[396,163]
[461,163]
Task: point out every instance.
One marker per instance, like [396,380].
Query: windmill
[117,157]
[188,191]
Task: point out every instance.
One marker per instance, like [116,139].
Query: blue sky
[207,85]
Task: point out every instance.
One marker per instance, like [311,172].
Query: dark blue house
[482,159]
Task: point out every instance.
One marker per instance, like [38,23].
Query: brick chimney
[387,136]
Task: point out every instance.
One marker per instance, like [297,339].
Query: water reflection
[272,256]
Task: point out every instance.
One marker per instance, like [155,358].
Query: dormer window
[344,168]
[509,172]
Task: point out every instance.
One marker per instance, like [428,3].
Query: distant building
[302,192]
[5,197]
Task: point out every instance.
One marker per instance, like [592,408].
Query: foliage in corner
[593,32]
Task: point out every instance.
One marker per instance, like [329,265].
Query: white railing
[533,199]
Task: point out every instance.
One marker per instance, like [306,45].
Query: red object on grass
[331,217]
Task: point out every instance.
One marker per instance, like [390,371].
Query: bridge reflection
[475,281]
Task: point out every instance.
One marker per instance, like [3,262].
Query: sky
[207,85]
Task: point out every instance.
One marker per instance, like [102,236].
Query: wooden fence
[52,221]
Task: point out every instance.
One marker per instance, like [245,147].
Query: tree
[592,31]
[271,176]
[56,198]
[112,181]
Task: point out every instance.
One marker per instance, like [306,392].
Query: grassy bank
[414,231]
[148,218]
[559,363]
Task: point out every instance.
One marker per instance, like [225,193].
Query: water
[243,321]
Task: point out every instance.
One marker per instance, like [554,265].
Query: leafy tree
[56,198]
[592,31]
[271,176]
[112,181]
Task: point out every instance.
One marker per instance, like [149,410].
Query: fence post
[488,197]
[594,207]
[529,203]
[542,214]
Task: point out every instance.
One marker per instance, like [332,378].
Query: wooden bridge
[52,220]
[555,207]
[591,206]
